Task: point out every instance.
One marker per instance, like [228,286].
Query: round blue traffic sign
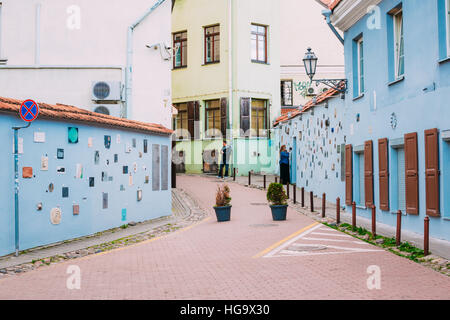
[29,110]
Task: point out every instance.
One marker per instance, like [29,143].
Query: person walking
[226,153]
[284,165]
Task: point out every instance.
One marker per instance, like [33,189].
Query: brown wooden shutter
[245,116]
[223,116]
[383,168]
[368,173]
[191,118]
[348,175]
[411,173]
[432,172]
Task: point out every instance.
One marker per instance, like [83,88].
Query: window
[359,167]
[358,66]
[180,49]
[259,115]
[181,121]
[286,93]
[212,44]
[259,43]
[361,66]
[212,110]
[399,45]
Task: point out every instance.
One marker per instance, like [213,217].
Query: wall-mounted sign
[73,135]
[55,216]
[29,110]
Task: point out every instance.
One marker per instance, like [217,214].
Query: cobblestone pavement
[211,260]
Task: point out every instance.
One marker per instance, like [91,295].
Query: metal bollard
[234,174]
[264,181]
[295,192]
[311,201]
[303,197]
[249,178]
[276,179]
[353,214]
[338,210]
[426,236]
[287,188]
[324,203]
[398,235]
[374,221]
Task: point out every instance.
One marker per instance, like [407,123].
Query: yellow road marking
[279,243]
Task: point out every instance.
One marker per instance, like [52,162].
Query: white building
[106,55]
[303,26]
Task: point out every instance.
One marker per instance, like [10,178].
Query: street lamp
[310,62]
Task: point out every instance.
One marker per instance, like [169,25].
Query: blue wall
[412,107]
[35,226]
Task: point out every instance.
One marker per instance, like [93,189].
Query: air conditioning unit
[311,91]
[110,110]
[106,90]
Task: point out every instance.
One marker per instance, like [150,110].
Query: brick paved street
[245,258]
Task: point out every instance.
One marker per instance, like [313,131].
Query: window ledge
[446,219]
[361,207]
[260,62]
[444,60]
[177,68]
[403,213]
[209,63]
[359,97]
[3,61]
[396,81]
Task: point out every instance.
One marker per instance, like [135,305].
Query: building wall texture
[392,110]
[56,49]
[93,170]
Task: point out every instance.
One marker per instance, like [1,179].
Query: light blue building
[395,120]
[79,173]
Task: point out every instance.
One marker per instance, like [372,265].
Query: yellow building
[226,71]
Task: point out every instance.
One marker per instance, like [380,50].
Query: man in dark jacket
[226,153]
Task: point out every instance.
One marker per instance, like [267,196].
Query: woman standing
[284,165]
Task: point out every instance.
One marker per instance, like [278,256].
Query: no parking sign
[29,110]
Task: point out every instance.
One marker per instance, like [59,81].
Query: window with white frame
[399,47]
[360,46]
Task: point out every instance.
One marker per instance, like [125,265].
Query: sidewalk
[437,246]
[185,211]
[250,257]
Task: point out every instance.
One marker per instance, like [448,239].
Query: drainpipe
[129,68]
[327,14]
[16,185]
[230,76]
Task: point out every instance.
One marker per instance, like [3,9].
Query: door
[293,169]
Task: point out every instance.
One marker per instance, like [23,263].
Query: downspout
[230,77]
[327,14]
[129,68]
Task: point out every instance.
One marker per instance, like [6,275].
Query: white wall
[303,26]
[101,40]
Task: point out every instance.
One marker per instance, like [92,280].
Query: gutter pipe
[327,14]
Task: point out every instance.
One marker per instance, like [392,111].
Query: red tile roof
[70,113]
[287,110]
[311,103]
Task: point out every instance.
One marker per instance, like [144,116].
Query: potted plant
[277,197]
[223,206]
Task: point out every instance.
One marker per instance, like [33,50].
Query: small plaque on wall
[39,137]
[105,200]
[76,209]
[27,172]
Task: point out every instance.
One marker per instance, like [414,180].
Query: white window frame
[397,45]
[360,44]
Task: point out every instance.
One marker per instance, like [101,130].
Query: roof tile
[71,113]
